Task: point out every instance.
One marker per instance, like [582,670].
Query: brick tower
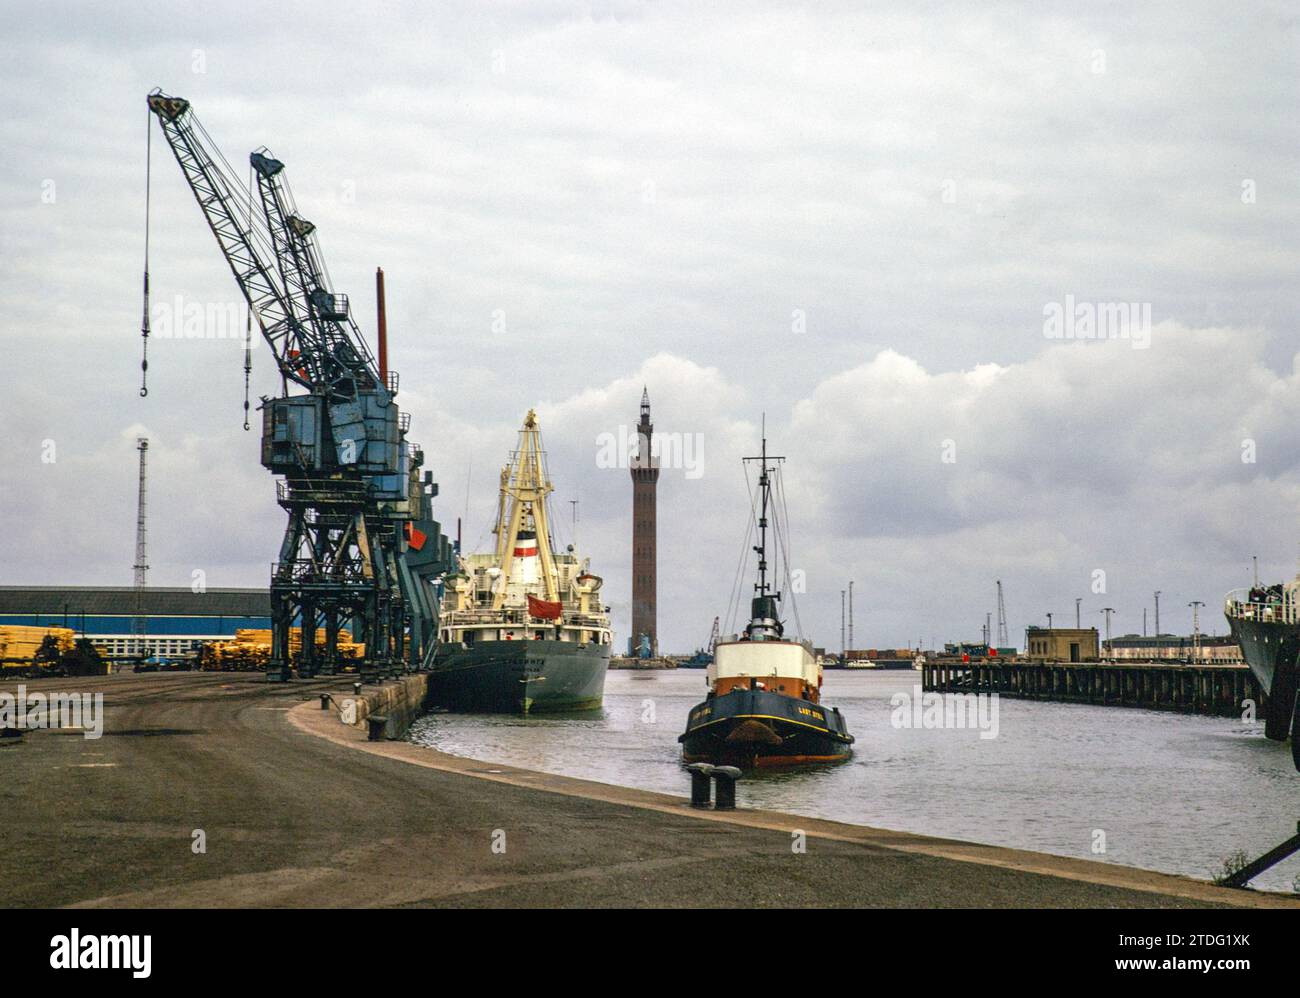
[645,478]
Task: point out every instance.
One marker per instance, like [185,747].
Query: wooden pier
[1214,690]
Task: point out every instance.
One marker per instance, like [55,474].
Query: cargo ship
[522,628]
[1265,621]
[764,702]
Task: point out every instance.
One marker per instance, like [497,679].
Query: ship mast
[524,488]
[764,621]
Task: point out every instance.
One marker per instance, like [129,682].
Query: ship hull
[1270,648]
[758,728]
[518,677]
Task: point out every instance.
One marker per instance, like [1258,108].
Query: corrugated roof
[158,601]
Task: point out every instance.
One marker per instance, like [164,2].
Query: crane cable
[144,322]
[248,315]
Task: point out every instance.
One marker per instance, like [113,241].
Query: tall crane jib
[361,549]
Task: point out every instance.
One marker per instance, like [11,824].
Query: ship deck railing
[517,617]
[1238,605]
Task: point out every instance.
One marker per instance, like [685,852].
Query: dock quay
[299,808]
[1214,690]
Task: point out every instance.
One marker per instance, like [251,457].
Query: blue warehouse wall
[181,626]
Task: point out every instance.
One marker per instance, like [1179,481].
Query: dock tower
[645,479]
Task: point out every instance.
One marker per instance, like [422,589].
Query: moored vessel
[1265,620]
[522,628]
[764,702]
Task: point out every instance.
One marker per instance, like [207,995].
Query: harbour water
[1169,792]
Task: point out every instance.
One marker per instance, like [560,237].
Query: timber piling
[1213,690]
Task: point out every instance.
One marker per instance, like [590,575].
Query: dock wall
[400,701]
[1214,690]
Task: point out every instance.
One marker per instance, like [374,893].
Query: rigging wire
[783,546]
[144,322]
[733,605]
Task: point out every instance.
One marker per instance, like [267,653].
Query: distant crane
[850,613]
[842,645]
[138,624]
[1004,639]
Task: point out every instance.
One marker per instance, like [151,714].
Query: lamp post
[1196,628]
[1108,610]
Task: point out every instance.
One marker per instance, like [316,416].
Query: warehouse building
[1217,648]
[176,621]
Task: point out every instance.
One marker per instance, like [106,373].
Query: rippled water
[1170,792]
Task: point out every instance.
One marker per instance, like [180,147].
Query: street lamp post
[1108,610]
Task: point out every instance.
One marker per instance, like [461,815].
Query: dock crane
[361,546]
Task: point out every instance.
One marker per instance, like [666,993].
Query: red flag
[415,536]
[544,609]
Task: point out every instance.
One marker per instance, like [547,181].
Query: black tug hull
[518,677]
[758,728]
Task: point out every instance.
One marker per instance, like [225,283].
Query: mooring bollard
[700,786]
[356,689]
[726,797]
[324,701]
[378,727]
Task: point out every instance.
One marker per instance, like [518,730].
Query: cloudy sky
[854,219]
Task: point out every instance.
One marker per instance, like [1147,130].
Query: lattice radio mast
[141,556]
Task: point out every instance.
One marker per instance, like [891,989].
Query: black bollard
[378,727]
[356,689]
[700,789]
[324,701]
[726,797]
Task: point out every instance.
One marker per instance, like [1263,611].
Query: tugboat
[522,628]
[764,704]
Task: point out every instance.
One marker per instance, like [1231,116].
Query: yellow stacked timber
[19,643]
[251,650]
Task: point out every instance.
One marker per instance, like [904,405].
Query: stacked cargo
[250,651]
[19,644]
[28,652]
